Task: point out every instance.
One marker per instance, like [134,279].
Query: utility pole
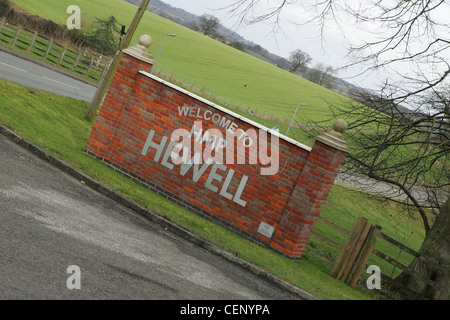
[104,85]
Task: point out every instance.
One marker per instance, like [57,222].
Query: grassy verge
[58,125]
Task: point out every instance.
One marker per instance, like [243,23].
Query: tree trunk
[428,276]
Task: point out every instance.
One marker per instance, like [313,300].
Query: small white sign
[266,229]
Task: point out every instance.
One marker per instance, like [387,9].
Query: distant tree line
[321,74]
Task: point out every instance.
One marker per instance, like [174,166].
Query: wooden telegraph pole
[104,85]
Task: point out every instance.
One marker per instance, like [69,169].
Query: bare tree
[409,34]
[299,60]
[321,74]
[208,24]
[403,155]
[408,149]
[404,149]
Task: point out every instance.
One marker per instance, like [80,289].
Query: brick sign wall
[262,185]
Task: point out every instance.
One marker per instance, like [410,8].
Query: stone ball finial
[335,138]
[141,50]
[145,40]
[340,125]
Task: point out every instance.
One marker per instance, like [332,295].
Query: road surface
[371,186]
[51,224]
[15,69]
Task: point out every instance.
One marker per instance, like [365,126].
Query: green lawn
[202,62]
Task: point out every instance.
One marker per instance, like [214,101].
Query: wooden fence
[85,63]
[329,251]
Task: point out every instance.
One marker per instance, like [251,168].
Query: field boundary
[85,64]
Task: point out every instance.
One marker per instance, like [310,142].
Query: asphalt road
[50,221]
[31,75]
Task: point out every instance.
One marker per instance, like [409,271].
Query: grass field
[202,62]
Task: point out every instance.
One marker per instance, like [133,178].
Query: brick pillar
[311,191]
[134,59]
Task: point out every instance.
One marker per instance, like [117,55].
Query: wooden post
[19,28]
[32,42]
[357,248]
[364,254]
[346,250]
[3,22]
[89,68]
[105,70]
[48,49]
[62,56]
[76,62]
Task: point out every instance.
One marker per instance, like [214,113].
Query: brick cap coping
[231,113]
[139,53]
[335,140]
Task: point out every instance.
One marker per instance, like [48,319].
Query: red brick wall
[290,200]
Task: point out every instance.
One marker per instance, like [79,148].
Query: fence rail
[392,267]
[85,63]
